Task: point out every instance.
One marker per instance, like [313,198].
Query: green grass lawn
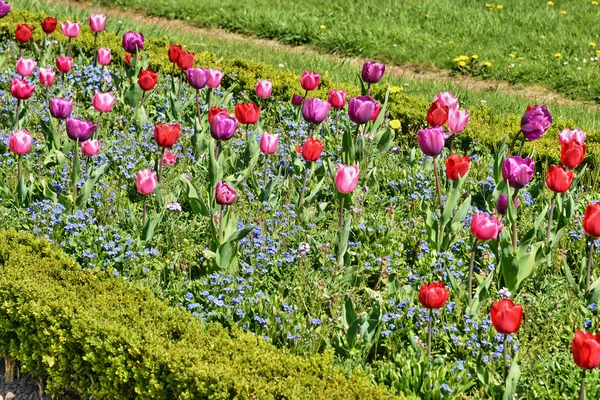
[521,41]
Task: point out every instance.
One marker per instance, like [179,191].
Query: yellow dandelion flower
[396,89]
[488,5]
[462,63]
[592,44]
[544,37]
[395,124]
[487,64]
[594,3]
[323,27]
[450,42]
[557,55]
[439,41]
[550,3]
[597,53]
[427,15]
[474,56]
[563,12]
[499,6]
[511,55]
[521,58]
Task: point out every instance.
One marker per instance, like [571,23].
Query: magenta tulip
[517,171]
[20,89]
[20,142]
[484,227]
[225,194]
[169,158]
[215,77]
[70,29]
[346,178]
[337,98]
[25,66]
[5,8]
[90,148]
[297,100]
[310,80]
[315,111]
[197,77]
[446,99]
[223,126]
[431,141]
[502,204]
[61,108]
[372,72]
[104,56]
[146,181]
[361,109]
[132,41]
[567,135]
[80,130]
[264,88]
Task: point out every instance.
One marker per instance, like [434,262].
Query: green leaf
[457,221]
[348,313]
[22,192]
[481,294]
[150,227]
[512,381]
[498,160]
[386,140]
[198,206]
[89,185]
[133,95]
[239,234]
[594,293]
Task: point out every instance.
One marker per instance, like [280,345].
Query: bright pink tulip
[337,98]
[103,102]
[457,120]
[46,76]
[20,142]
[169,158]
[567,135]
[214,78]
[310,80]
[70,29]
[97,22]
[64,64]
[25,66]
[104,56]
[268,143]
[484,227]
[346,178]
[146,181]
[446,99]
[20,89]
[90,148]
[264,88]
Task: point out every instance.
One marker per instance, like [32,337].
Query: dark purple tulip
[5,8]
[535,122]
[61,108]
[517,171]
[197,77]
[297,99]
[225,194]
[372,72]
[431,140]
[80,130]
[315,111]
[361,109]
[502,204]
[223,126]
[131,40]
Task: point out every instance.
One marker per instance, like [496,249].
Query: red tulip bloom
[185,60]
[174,51]
[434,295]
[506,316]
[437,114]
[214,111]
[49,25]
[559,180]
[246,113]
[572,154]
[311,149]
[457,167]
[23,33]
[166,135]
[376,111]
[20,89]
[586,349]
[591,220]
[147,79]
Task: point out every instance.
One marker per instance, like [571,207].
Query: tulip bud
[49,25]
[559,180]
[185,60]
[535,122]
[20,89]
[591,220]
[25,66]
[103,102]
[166,135]
[268,143]
[64,64]
[372,72]
[90,148]
[263,89]
[311,149]
[457,167]
[174,52]
[214,78]
[310,80]
[361,109]
[104,56]
[517,171]
[586,349]
[146,181]
[133,41]
[502,204]
[437,114]
[346,178]
[457,120]
[80,130]
[5,8]
[23,33]
[61,108]
[197,77]
[20,142]
[567,135]
[247,114]
[432,296]
[225,195]
[46,76]
[97,22]
[169,158]
[70,29]
[297,100]
[572,154]
[506,316]
[147,79]
[446,99]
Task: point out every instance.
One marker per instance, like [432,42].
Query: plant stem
[44,41]
[69,48]
[17,111]
[143,99]
[179,89]
[471,271]
[307,167]
[208,98]
[514,224]
[589,267]
[221,226]
[198,105]
[18,170]
[582,388]
[217,150]
[310,130]
[97,133]
[144,212]
[75,172]
[512,143]
[341,220]
[438,186]
[429,329]
[266,166]
[549,231]
[337,122]
[505,353]
[160,166]
[369,89]
[451,144]
[95,49]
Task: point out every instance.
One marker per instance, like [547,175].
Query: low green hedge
[93,334]
[487,128]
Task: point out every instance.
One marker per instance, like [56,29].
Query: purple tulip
[361,109]
[431,140]
[315,111]
[133,40]
[502,204]
[297,99]
[517,171]
[535,122]
[80,130]
[372,72]
[197,77]
[224,194]
[61,108]
[5,8]
[223,126]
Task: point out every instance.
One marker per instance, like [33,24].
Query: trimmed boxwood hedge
[90,333]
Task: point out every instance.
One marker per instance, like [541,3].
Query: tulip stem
[341,220]
[97,132]
[512,143]
[160,166]
[143,99]
[198,105]
[221,226]
[69,48]
[369,89]
[471,271]
[18,170]
[337,122]
[429,329]
[582,388]
[307,167]
[438,186]
[505,353]
[521,148]
[514,224]
[44,41]
[17,111]
[75,172]
[549,231]
[20,51]
[310,130]
[88,164]
[589,267]
[144,212]
[217,147]
[208,98]
[95,49]
[266,166]
[179,89]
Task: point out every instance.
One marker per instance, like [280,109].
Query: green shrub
[87,332]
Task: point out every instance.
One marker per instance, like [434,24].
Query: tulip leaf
[239,234]
[89,185]
[22,192]
[498,161]
[512,380]
[594,293]
[196,203]
[133,95]
[461,213]
[315,191]
[386,140]
[48,192]
[150,227]
[452,200]
[568,274]
[348,313]
[481,294]
[454,284]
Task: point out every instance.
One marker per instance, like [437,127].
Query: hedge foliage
[86,332]
[485,132]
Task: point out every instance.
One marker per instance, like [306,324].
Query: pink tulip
[337,98]
[104,56]
[169,158]
[484,227]
[46,76]
[20,89]
[567,135]
[64,64]
[146,181]
[214,78]
[103,102]
[446,99]
[268,143]
[90,148]
[346,178]
[70,29]
[97,22]
[310,80]
[25,66]
[20,142]
[457,120]
[264,88]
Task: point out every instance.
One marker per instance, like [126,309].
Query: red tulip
[506,316]
[185,59]
[311,149]
[246,113]
[437,114]
[591,220]
[147,79]
[166,135]
[457,167]
[559,180]
[214,111]
[49,25]
[20,89]
[572,154]
[586,349]
[64,64]
[23,33]
[376,111]
[174,51]
[434,295]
